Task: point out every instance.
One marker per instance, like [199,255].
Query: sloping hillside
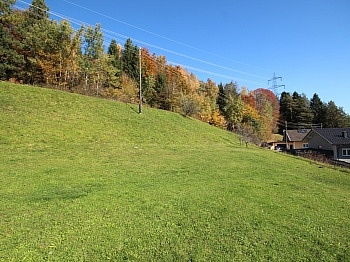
[88,179]
[68,117]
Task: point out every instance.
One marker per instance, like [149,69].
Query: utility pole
[140,93]
[274,79]
[286,123]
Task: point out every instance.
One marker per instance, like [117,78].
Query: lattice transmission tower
[274,85]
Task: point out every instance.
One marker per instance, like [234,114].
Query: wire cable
[160,36]
[109,33]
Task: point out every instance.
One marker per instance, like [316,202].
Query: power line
[182,55]
[292,125]
[215,74]
[158,35]
[108,32]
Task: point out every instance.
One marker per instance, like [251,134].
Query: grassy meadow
[86,179]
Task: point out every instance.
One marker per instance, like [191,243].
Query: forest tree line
[39,51]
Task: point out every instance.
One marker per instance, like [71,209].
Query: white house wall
[340,155]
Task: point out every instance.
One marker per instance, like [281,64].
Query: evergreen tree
[303,113]
[5,6]
[295,109]
[11,61]
[318,109]
[114,51]
[37,11]
[32,30]
[130,60]
[286,110]
[161,92]
[347,120]
[39,48]
[335,116]
[221,98]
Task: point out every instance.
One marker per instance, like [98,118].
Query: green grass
[84,179]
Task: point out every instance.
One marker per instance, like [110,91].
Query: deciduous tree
[149,75]
[268,108]
[128,91]
[94,60]
[210,113]
[232,105]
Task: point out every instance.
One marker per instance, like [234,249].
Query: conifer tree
[335,116]
[130,60]
[115,51]
[318,109]
[11,61]
[303,113]
[160,87]
[286,110]
[37,11]
[5,6]
[221,98]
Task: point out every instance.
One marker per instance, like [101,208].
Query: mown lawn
[84,179]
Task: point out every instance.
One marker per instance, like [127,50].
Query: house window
[346,151]
[306,145]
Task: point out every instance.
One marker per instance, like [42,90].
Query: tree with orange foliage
[210,112]
[250,113]
[149,75]
[128,91]
[268,107]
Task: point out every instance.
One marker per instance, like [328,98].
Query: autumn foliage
[40,51]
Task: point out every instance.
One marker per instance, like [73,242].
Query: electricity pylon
[273,80]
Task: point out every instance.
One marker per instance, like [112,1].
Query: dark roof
[335,136]
[297,135]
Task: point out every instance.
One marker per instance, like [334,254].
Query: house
[334,139]
[295,139]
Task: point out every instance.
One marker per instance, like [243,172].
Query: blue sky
[306,42]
